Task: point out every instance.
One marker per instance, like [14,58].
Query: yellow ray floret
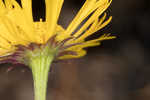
[17,26]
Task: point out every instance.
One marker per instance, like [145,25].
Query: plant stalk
[40,66]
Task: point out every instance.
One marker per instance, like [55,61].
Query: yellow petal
[88,8]
[101,38]
[59,29]
[82,14]
[2,8]
[5,52]
[53,8]
[11,33]
[83,45]
[4,44]
[80,53]
[19,16]
[60,33]
[102,25]
[95,27]
[27,9]
[79,50]
[91,43]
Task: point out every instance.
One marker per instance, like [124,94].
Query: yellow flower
[37,43]
[17,26]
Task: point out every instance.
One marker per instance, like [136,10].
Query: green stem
[40,65]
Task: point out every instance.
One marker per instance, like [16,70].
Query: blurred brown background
[117,70]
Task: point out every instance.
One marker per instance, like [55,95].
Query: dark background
[119,69]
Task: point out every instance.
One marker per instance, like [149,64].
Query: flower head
[37,43]
[20,33]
